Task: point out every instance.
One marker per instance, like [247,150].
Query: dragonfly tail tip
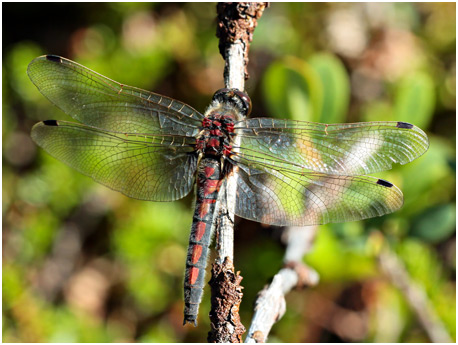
[190,319]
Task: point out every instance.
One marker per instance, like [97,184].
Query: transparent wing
[103,103]
[142,167]
[290,198]
[338,149]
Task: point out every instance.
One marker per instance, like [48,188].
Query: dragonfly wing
[100,102]
[290,198]
[141,167]
[337,149]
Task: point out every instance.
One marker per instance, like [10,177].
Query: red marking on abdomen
[200,230]
[193,274]
[211,186]
[196,253]
[209,171]
[209,180]
[203,210]
[204,207]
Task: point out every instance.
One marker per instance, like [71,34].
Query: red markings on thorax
[213,142]
[230,127]
[227,150]
[206,123]
[216,134]
[200,145]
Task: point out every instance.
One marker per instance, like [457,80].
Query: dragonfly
[152,147]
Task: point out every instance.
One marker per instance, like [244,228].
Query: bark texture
[236,23]
[226,298]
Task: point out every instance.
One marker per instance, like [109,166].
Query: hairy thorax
[216,135]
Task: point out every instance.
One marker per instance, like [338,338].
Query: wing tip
[50,57]
[396,196]
[405,125]
[422,138]
[53,58]
[50,123]
[38,127]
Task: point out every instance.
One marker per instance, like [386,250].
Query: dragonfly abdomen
[209,180]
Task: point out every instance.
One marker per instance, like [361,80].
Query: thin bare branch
[270,305]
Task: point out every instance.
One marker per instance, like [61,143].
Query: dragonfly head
[235,98]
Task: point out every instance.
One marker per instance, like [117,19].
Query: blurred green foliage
[316,90]
[82,263]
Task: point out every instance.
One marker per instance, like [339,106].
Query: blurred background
[82,263]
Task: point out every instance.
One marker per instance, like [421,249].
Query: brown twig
[226,298]
[236,24]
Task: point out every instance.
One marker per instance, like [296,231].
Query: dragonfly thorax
[230,101]
[215,136]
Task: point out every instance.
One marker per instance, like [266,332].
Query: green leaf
[292,89]
[336,87]
[334,261]
[415,99]
[377,111]
[435,224]
[428,177]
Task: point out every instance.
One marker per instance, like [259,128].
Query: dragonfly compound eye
[246,101]
[235,97]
